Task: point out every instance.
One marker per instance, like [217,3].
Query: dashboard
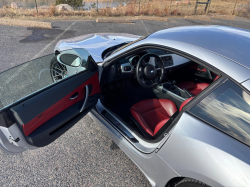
[125,66]
[170,61]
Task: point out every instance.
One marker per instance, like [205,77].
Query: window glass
[25,79]
[142,38]
[228,109]
[70,60]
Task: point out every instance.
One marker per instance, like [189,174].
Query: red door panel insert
[62,104]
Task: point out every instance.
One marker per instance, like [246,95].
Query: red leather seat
[152,114]
[194,88]
[216,77]
[185,102]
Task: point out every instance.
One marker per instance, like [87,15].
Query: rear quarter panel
[201,152]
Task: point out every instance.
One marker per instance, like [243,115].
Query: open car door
[42,99]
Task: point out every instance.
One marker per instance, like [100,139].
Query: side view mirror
[69,60]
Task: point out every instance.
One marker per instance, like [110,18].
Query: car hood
[95,44]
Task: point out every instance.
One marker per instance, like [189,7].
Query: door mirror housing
[69,60]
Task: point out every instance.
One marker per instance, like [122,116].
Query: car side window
[27,78]
[227,109]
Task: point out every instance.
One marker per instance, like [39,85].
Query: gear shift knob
[172,85]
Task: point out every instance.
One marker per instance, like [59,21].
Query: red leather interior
[62,105]
[152,114]
[196,67]
[194,88]
[185,102]
[187,85]
[216,77]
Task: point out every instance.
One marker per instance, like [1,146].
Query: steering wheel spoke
[148,82]
[144,64]
[156,79]
[152,61]
[148,72]
[159,72]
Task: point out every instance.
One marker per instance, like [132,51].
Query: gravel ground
[85,155]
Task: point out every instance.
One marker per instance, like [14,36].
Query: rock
[15,5]
[64,7]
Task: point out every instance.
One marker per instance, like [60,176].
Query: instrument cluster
[134,60]
[168,60]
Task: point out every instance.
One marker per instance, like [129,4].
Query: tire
[58,71]
[187,182]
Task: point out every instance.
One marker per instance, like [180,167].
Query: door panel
[58,125]
[35,111]
[44,107]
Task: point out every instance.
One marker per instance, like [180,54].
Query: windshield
[109,51]
[114,49]
[128,44]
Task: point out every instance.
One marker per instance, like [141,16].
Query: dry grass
[52,11]
[244,10]
[159,8]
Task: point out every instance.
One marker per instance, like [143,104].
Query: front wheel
[187,182]
[58,71]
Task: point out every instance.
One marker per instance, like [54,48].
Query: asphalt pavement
[85,155]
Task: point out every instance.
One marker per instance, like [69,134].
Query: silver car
[176,102]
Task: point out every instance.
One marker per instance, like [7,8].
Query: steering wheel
[150,70]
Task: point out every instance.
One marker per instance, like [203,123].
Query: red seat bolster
[141,121]
[194,88]
[185,102]
[168,105]
[202,86]
[152,114]
[160,125]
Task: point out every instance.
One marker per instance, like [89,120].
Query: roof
[230,42]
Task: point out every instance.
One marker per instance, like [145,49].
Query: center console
[171,87]
[172,92]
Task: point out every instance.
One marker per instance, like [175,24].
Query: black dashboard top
[125,67]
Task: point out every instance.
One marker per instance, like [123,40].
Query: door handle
[74,96]
[86,98]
